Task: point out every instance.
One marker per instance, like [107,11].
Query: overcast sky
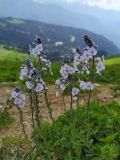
[106,4]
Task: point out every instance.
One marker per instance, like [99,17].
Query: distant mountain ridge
[57,40]
[94,19]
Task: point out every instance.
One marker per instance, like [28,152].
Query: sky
[106,4]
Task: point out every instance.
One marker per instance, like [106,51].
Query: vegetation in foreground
[68,138]
[5,119]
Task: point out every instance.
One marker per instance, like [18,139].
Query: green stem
[48,106]
[63,98]
[90,92]
[78,100]
[22,123]
[37,112]
[32,109]
[71,104]
[46,96]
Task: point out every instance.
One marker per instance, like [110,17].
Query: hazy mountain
[47,13]
[57,40]
[100,21]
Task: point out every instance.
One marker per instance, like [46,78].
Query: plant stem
[22,123]
[32,108]
[64,103]
[90,92]
[78,100]
[37,109]
[48,106]
[46,96]
[71,104]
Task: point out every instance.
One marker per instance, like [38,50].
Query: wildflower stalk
[63,98]
[78,100]
[22,123]
[32,108]
[45,93]
[90,92]
[48,106]
[71,103]
[37,111]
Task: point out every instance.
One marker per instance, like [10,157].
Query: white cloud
[106,4]
[51,1]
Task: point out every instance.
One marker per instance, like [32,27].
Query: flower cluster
[82,58]
[86,85]
[18,98]
[39,53]
[67,72]
[33,77]
[86,63]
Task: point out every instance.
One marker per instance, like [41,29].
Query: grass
[13,147]
[68,139]
[14,140]
[10,62]
[112,72]
[15,21]
[9,55]
[5,119]
[113,61]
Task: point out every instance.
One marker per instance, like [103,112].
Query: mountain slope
[20,33]
[104,22]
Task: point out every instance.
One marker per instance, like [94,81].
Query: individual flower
[18,98]
[28,63]
[57,94]
[62,87]
[38,48]
[67,70]
[29,85]
[36,51]
[75,91]
[71,70]
[66,59]
[58,82]
[100,67]
[15,93]
[39,87]
[63,72]
[23,72]
[92,51]
[89,86]
[83,85]
[20,101]
[33,74]
[76,68]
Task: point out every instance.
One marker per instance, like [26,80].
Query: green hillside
[6,55]
[112,72]
[10,62]
[57,40]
